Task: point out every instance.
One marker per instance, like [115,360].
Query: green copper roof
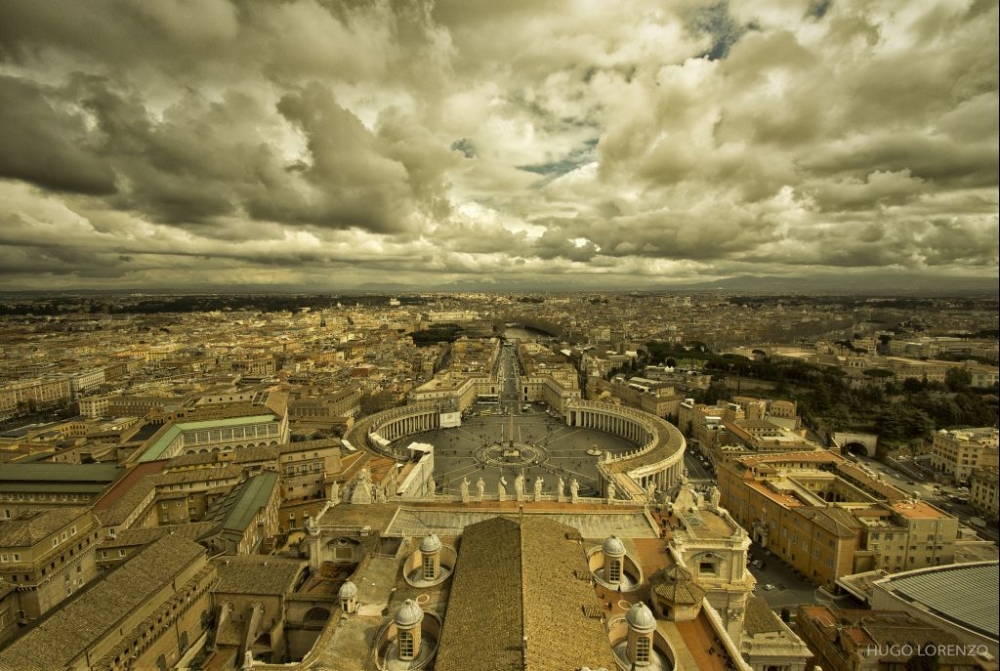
[156,450]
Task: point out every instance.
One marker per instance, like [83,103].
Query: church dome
[613,547]
[640,618]
[409,614]
[348,590]
[431,543]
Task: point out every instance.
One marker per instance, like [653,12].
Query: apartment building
[822,520]
[908,534]
[983,492]
[34,486]
[325,408]
[246,517]
[957,453]
[747,425]
[94,407]
[307,466]
[84,382]
[877,640]
[145,615]
[21,396]
[656,398]
[47,555]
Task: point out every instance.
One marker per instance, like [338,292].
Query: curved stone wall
[657,463]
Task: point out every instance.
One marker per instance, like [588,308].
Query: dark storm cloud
[46,144]
[287,141]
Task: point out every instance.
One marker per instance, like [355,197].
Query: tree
[958,378]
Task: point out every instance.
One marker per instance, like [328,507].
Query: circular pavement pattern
[535,445]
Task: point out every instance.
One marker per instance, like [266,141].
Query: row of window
[42,496]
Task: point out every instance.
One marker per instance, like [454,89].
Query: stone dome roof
[640,618]
[677,586]
[409,614]
[430,543]
[613,547]
[348,590]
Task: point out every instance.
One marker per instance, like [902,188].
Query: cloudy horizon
[331,145]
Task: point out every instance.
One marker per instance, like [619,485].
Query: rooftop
[921,510]
[34,526]
[523,577]
[257,574]
[963,593]
[54,472]
[171,431]
[68,632]
[236,511]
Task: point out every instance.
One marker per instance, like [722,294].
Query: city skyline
[342,145]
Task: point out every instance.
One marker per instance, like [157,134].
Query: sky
[191,144]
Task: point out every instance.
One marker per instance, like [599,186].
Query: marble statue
[714,497]
[611,491]
[651,491]
[574,490]
[519,485]
[539,482]
[481,488]
[464,488]
[502,489]
[561,489]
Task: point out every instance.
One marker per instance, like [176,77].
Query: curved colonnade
[657,462]
[376,432]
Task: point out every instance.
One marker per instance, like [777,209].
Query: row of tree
[897,412]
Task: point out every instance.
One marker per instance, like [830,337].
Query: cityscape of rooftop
[698,480]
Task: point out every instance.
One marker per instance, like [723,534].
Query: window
[428,568]
[642,650]
[121,552]
[615,571]
[405,645]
